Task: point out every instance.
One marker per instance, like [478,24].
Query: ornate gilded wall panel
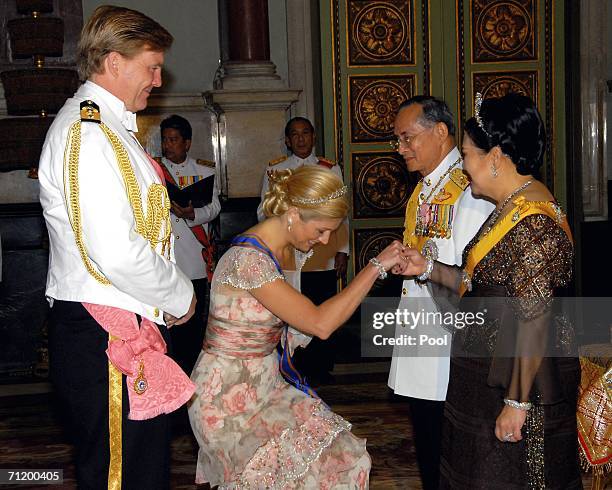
[380,32]
[369,242]
[373,104]
[516,32]
[381,185]
[504,30]
[496,84]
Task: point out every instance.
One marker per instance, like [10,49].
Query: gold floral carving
[382,185]
[374,103]
[501,83]
[504,30]
[370,242]
[380,32]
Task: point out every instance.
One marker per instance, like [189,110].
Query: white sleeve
[338,171]
[470,213]
[264,188]
[109,233]
[345,245]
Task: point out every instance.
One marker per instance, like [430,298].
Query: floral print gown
[254,429]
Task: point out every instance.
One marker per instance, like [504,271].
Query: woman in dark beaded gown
[510,413]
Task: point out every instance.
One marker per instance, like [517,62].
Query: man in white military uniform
[443,210]
[329,262]
[111,272]
[193,244]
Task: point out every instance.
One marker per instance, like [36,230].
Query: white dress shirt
[427,377]
[324,255]
[187,249]
[142,280]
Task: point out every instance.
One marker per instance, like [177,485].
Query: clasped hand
[171,320]
[187,212]
[402,260]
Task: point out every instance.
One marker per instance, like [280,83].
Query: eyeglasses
[404,140]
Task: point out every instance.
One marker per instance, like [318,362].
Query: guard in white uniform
[110,251]
[191,227]
[443,210]
[329,262]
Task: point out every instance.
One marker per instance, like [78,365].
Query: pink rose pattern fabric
[255,430]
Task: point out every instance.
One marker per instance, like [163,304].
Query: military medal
[423,218]
[442,195]
[140,383]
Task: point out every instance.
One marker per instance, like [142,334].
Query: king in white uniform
[441,210]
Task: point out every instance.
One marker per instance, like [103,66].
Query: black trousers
[187,339]
[318,357]
[79,372]
[427,419]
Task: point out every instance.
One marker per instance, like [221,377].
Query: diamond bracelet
[382,273]
[430,252]
[520,405]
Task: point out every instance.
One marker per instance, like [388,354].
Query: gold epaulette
[206,163]
[326,162]
[90,111]
[271,163]
[458,177]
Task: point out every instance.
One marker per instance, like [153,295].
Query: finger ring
[508,436]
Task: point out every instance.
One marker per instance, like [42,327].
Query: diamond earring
[494,171]
[289,223]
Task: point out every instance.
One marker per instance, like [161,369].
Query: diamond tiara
[477,105]
[320,200]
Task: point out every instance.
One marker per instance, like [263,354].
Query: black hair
[294,120]
[513,123]
[434,111]
[179,123]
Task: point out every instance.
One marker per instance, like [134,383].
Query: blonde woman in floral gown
[254,429]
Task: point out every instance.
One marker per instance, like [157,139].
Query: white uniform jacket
[427,377]
[142,280]
[187,249]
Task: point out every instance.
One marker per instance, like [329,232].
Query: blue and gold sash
[285,364]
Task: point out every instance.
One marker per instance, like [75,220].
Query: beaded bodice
[238,325]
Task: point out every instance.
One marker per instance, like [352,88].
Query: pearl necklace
[495,214]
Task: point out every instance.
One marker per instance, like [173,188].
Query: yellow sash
[522,209]
[443,204]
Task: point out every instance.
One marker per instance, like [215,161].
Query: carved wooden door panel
[377,53]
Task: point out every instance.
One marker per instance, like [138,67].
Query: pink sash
[156,384]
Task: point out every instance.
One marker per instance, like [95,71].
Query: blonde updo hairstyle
[288,187]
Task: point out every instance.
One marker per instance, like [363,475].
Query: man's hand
[340,264]
[186,213]
[413,263]
[172,320]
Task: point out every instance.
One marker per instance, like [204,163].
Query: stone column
[251,98]
[249,37]
[249,64]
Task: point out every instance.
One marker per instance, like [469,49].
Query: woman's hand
[393,255]
[509,424]
[414,264]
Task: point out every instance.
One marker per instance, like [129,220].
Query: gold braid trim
[114,425]
[74,208]
[155,227]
